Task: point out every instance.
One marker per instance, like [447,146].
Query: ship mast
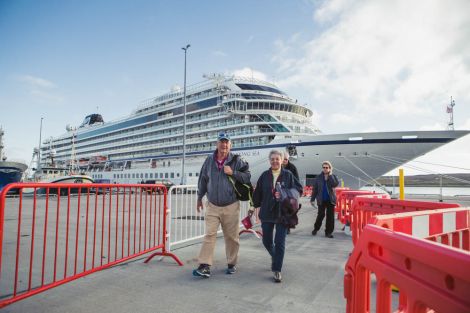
[72,154]
[1,144]
[450,111]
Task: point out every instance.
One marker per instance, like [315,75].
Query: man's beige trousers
[229,218]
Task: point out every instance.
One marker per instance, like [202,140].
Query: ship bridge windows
[278,106]
[254,96]
[259,88]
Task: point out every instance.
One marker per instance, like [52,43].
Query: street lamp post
[183,177]
[38,167]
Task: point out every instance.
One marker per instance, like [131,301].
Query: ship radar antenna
[450,111]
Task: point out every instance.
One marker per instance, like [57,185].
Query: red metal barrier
[365,207]
[345,201]
[51,234]
[431,276]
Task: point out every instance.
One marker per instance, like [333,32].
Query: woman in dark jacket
[267,199]
[324,193]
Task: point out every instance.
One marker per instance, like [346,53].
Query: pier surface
[312,280]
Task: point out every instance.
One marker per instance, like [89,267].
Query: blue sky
[360,65]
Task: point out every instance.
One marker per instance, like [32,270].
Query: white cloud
[369,130]
[435,126]
[46,96]
[249,72]
[342,118]
[465,125]
[41,89]
[330,10]
[391,63]
[36,82]
[218,53]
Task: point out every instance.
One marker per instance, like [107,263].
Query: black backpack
[244,192]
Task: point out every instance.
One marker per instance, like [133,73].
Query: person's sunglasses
[325,167]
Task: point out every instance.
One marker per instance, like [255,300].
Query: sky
[362,65]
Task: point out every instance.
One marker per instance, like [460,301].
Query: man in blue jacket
[222,207]
[324,193]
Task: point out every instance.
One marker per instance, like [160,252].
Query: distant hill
[430,180]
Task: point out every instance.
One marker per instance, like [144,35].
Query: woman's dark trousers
[330,217]
[275,249]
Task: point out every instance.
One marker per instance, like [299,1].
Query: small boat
[55,173]
[10,172]
[62,179]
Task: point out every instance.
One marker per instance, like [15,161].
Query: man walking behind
[289,166]
[292,168]
[222,207]
[323,192]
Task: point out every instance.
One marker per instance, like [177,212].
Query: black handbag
[243,192]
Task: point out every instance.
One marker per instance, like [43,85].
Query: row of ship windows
[294,108]
[193,148]
[149,118]
[144,129]
[177,101]
[147,175]
[205,94]
[169,132]
[165,148]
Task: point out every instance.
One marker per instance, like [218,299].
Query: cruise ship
[148,144]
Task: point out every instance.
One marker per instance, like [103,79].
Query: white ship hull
[357,158]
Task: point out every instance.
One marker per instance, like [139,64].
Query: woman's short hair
[286,155]
[276,152]
[327,163]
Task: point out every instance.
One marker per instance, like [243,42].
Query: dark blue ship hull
[10,172]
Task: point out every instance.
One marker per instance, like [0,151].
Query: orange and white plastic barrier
[366,206]
[344,202]
[338,191]
[413,252]
[446,226]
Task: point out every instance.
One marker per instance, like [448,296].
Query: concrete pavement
[313,281]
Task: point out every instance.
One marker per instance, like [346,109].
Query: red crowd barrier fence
[429,268]
[51,234]
[344,202]
[367,206]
